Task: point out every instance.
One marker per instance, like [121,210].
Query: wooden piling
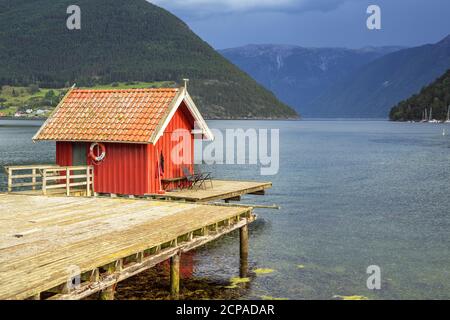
[108,293]
[243,235]
[175,276]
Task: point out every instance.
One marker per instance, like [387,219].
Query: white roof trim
[183,96]
[198,117]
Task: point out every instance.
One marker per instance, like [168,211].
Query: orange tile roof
[108,115]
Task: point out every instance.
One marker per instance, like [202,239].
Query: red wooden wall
[173,161]
[131,169]
[123,171]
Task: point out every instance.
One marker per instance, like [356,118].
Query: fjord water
[353,194]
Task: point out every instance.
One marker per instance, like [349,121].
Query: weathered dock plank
[42,239]
[221,190]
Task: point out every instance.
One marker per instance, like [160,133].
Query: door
[79,154]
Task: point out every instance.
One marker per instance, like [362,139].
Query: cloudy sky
[312,23]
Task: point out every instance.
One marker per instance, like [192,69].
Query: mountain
[435,96]
[372,90]
[122,41]
[298,75]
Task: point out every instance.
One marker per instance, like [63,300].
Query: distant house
[127,135]
[18,114]
[29,111]
[2,114]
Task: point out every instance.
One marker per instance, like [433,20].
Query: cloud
[205,7]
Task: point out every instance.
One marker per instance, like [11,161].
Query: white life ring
[97,157]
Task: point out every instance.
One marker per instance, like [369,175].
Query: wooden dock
[72,247]
[220,190]
[54,180]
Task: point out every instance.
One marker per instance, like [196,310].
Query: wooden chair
[206,176]
[196,179]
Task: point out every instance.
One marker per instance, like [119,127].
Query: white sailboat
[448,115]
[431,117]
[425,116]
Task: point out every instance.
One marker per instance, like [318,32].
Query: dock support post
[243,267]
[108,293]
[175,276]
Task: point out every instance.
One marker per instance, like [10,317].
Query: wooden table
[179,181]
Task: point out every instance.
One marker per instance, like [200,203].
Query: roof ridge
[126,90]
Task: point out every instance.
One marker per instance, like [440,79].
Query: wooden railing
[50,177]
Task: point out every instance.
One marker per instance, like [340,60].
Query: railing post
[10,179]
[33,179]
[44,182]
[67,182]
[93,181]
[88,181]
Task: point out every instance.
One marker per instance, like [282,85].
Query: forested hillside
[435,96]
[122,41]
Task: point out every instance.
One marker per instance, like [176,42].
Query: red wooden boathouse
[128,135]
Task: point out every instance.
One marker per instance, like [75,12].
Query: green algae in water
[154,284]
[261,271]
[272,298]
[351,297]
[235,281]
[339,269]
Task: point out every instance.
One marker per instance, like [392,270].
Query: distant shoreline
[23,118]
